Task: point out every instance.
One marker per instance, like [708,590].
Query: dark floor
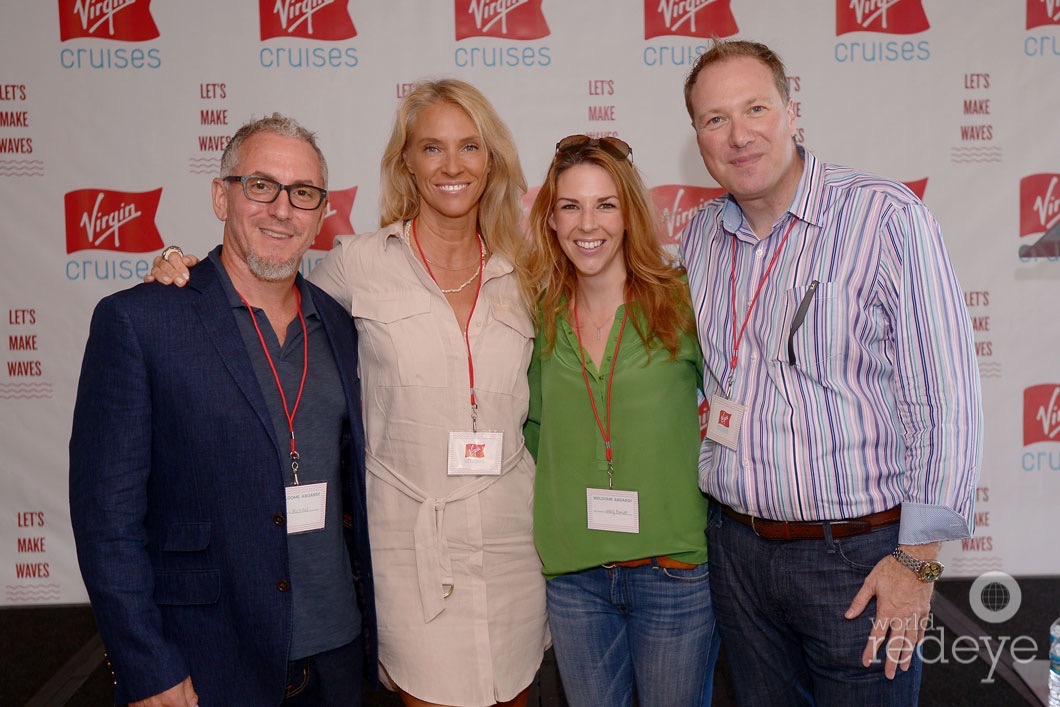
[36,643]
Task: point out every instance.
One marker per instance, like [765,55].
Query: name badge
[306,507]
[723,425]
[616,511]
[475,453]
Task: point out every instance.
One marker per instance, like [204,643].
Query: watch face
[930,571]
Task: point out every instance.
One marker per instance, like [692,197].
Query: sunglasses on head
[619,149]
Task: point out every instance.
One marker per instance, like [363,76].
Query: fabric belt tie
[663,561]
[814,530]
[434,571]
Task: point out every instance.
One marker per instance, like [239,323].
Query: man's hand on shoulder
[180,695]
[903,608]
[170,270]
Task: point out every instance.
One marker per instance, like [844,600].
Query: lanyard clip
[294,466]
[474,417]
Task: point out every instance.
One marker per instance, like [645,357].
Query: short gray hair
[277,124]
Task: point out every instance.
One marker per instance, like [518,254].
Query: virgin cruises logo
[676,204]
[689,18]
[326,20]
[100,219]
[1040,215]
[884,16]
[503,19]
[123,20]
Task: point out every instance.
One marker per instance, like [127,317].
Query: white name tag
[617,511]
[475,453]
[306,507]
[723,425]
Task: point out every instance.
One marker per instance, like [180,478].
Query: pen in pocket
[800,314]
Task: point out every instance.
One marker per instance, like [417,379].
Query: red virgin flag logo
[885,16]
[1039,203]
[124,20]
[99,219]
[336,218]
[1041,414]
[689,18]
[676,204]
[102,219]
[325,20]
[1040,214]
[503,19]
[1042,12]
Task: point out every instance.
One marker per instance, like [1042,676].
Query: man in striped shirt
[844,435]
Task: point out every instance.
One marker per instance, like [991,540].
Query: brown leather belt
[813,530]
[660,561]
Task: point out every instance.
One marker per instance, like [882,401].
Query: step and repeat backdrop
[114,113]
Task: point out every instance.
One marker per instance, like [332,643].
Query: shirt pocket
[503,349]
[809,345]
[400,339]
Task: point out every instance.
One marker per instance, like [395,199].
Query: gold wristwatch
[925,570]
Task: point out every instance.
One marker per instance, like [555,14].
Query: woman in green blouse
[613,423]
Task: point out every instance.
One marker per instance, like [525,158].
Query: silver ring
[170,250]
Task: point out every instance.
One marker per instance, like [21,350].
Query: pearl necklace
[471,279]
[409,230]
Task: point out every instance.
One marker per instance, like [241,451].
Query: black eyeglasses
[619,149]
[265,191]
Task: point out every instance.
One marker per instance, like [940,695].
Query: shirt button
[283,585]
[278,519]
[746,463]
[754,356]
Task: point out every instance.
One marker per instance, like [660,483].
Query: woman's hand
[171,269]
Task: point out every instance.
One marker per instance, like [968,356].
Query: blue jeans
[649,627]
[780,613]
[329,679]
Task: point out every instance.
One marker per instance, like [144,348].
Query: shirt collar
[808,204]
[496,264]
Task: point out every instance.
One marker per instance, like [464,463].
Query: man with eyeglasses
[217,460]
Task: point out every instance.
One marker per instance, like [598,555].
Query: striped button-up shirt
[873,400]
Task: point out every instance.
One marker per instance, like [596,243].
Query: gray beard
[272,270]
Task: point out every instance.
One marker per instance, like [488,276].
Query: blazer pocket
[187,537]
[187,588]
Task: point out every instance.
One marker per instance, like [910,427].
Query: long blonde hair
[654,286]
[500,208]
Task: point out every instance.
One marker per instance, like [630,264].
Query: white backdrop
[113,114]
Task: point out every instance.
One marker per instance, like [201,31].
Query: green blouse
[654,441]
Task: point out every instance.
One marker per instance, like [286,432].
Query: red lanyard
[605,432]
[732,280]
[467,339]
[288,413]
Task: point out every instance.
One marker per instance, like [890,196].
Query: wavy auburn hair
[654,286]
